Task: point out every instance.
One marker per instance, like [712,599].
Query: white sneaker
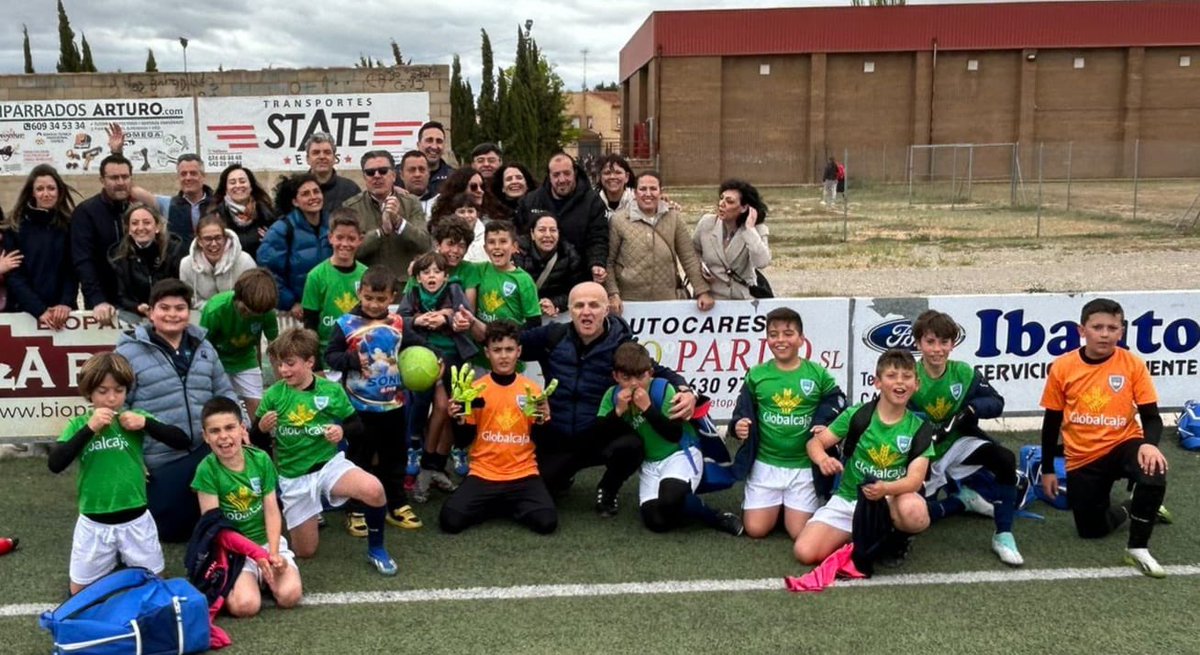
[974,502]
[1144,562]
[1005,548]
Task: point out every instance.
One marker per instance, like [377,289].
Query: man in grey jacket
[177,372]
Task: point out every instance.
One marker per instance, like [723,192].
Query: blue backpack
[131,611]
[1189,426]
[1029,467]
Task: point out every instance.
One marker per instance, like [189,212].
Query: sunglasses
[376,172]
[475,187]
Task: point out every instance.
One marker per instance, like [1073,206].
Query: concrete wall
[720,117]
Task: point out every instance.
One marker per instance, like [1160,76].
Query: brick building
[597,116]
[767,94]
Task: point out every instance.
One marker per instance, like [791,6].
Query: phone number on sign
[54,125]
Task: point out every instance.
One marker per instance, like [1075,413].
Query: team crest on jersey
[903,443]
[806,387]
[521,401]
[256,486]
[508,288]
[321,402]
[956,391]
[1116,383]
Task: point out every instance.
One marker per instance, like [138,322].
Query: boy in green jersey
[240,481]
[331,289]
[670,472]
[952,397]
[782,402]
[237,321]
[113,516]
[309,415]
[889,462]
[505,291]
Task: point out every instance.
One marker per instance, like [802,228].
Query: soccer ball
[419,368]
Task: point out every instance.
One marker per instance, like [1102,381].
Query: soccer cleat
[441,481]
[403,517]
[461,465]
[1164,515]
[1005,548]
[382,561]
[730,523]
[8,545]
[974,502]
[897,550]
[420,492]
[606,503]
[414,462]
[1142,560]
[356,524]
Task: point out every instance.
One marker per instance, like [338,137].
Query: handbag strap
[541,279]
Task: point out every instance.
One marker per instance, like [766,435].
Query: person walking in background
[829,183]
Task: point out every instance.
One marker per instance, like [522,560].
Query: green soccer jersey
[506,294]
[657,448]
[786,402]
[466,274]
[300,442]
[940,399]
[111,476]
[240,493]
[331,293]
[236,337]
[882,450]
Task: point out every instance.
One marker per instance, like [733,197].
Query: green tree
[86,65]
[488,109]
[462,113]
[400,60]
[151,65]
[28,52]
[502,131]
[534,107]
[69,59]
[607,86]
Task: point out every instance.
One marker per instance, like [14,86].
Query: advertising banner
[1012,339]
[70,134]
[269,132]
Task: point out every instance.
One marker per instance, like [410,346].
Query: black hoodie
[581,217]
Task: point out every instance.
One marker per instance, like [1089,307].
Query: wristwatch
[683,388]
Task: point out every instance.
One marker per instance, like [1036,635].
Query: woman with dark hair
[648,242]
[554,264]
[245,206]
[146,254]
[468,181]
[511,183]
[38,276]
[616,183]
[732,243]
[298,240]
[214,261]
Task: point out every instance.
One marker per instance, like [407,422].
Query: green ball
[418,368]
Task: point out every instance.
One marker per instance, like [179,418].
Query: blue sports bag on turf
[131,611]
[1189,425]
[1030,467]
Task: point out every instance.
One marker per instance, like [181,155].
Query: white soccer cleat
[1005,548]
[1141,559]
[974,502]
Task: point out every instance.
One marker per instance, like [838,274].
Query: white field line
[685,587]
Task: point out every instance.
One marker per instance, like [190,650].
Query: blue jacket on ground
[46,277]
[831,404]
[173,398]
[290,266]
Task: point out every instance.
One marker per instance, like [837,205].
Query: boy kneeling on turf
[114,519]
[670,473]
[309,415]
[241,481]
[498,425]
[889,462]
[1094,397]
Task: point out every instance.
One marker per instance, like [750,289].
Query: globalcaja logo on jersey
[1008,333]
[897,333]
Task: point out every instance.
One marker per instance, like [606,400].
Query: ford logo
[897,333]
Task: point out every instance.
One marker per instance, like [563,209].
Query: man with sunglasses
[392,220]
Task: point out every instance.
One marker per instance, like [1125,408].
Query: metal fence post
[954,179]
[845,198]
[1070,147]
[1013,167]
[1137,152]
[910,175]
[1041,146]
[970,169]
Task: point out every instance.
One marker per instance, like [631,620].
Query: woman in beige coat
[645,241]
[732,243]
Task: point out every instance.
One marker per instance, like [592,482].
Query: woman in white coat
[732,243]
[214,261]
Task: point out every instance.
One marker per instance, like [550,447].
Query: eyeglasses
[212,240]
[376,172]
[475,187]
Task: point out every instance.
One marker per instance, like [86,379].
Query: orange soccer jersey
[1099,402]
[503,448]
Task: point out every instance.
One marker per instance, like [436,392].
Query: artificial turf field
[952,595]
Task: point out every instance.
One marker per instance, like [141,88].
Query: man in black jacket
[321,152]
[567,195]
[431,140]
[95,227]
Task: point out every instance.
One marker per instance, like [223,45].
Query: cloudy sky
[238,34]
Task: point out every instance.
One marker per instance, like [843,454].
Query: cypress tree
[28,52]
[86,65]
[68,53]
[489,120]
[462,113]
[151,65]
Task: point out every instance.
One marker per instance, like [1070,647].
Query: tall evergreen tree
[502,131]
[28,52]
[489,118]
[86,65]
[462,113]
[151,65]
[534,106]
[396,54]
[69,59]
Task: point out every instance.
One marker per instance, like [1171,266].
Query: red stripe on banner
[236,137]
[387,142]
[379,133]
[243,146]
[230,128]
[379,124]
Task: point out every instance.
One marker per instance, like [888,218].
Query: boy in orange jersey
[1094,396]
[503,478]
